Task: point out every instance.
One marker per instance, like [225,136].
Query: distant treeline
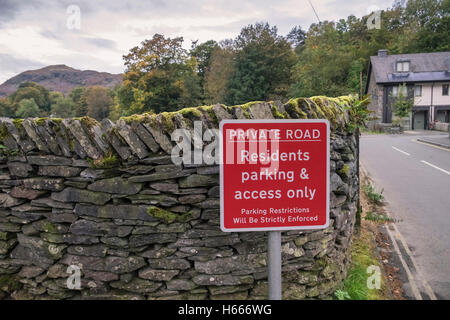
[330,58]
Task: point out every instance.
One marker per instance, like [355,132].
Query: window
[396,90]
[418,91]
[445,89]
[402,66]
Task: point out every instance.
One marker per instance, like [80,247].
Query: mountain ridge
[61,78]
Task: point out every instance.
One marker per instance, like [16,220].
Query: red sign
[274,175]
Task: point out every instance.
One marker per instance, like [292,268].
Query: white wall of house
[437,99]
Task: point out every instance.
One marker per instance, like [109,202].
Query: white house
[426,77]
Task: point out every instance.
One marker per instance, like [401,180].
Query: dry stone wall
[106,198]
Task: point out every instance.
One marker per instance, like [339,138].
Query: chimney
[382,53]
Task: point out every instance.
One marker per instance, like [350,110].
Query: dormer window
[402,66]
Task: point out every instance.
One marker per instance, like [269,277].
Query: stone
[196,180]
[156,129]
[49,227]
[169,264]
[137,169]
[228,289]
[226,265]
[108,128]
[193,198]
[145,136]
[29,272]
[98,250]
[100,276]
[24,193]
[132,139]
[44,184]
[50,203]
[69,238]
[114,212]
[123,265]
[208,170]
[231,296]
[49,160]
[221,113]
[209,204]
[6,201]
[70,194]
[20,169]
[165,187]
[146,239]
[91,228]
[158,199]
[59,171]
[158,275]
[160,176]
[30,130]
[260,111]
[221,280]
[214,192]
[84,262]
[158,253]
[181,284]
[137,285]
[76,129]
[116,185]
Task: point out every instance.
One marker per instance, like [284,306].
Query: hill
[61,78]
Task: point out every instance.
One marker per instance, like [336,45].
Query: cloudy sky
[36,33]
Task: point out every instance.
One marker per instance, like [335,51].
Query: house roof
[424,67]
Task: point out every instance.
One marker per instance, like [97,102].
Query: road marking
[411,280]
[409,253]
[430,145]
[397,149]
[436,167]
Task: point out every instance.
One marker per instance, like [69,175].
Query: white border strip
[327,223]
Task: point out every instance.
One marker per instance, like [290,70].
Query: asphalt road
[416,182]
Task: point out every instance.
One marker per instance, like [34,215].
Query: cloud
[36,30]
[11,65]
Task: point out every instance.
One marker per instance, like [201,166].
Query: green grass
[374,197]
[377,217]
[354,286]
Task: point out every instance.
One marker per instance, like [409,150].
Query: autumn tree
[99,102]
[219,73]
[160,76]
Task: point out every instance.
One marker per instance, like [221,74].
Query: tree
[402,102]
[202,53]
[98,102]
[62,107]
[28,108]
[219,72]
[31,90]
[6,108]
[263,65]
[160,76]
[78,96]
[297,38]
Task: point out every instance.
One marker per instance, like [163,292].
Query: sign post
[274,264]
[274,176]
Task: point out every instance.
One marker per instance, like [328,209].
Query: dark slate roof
[424,67]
